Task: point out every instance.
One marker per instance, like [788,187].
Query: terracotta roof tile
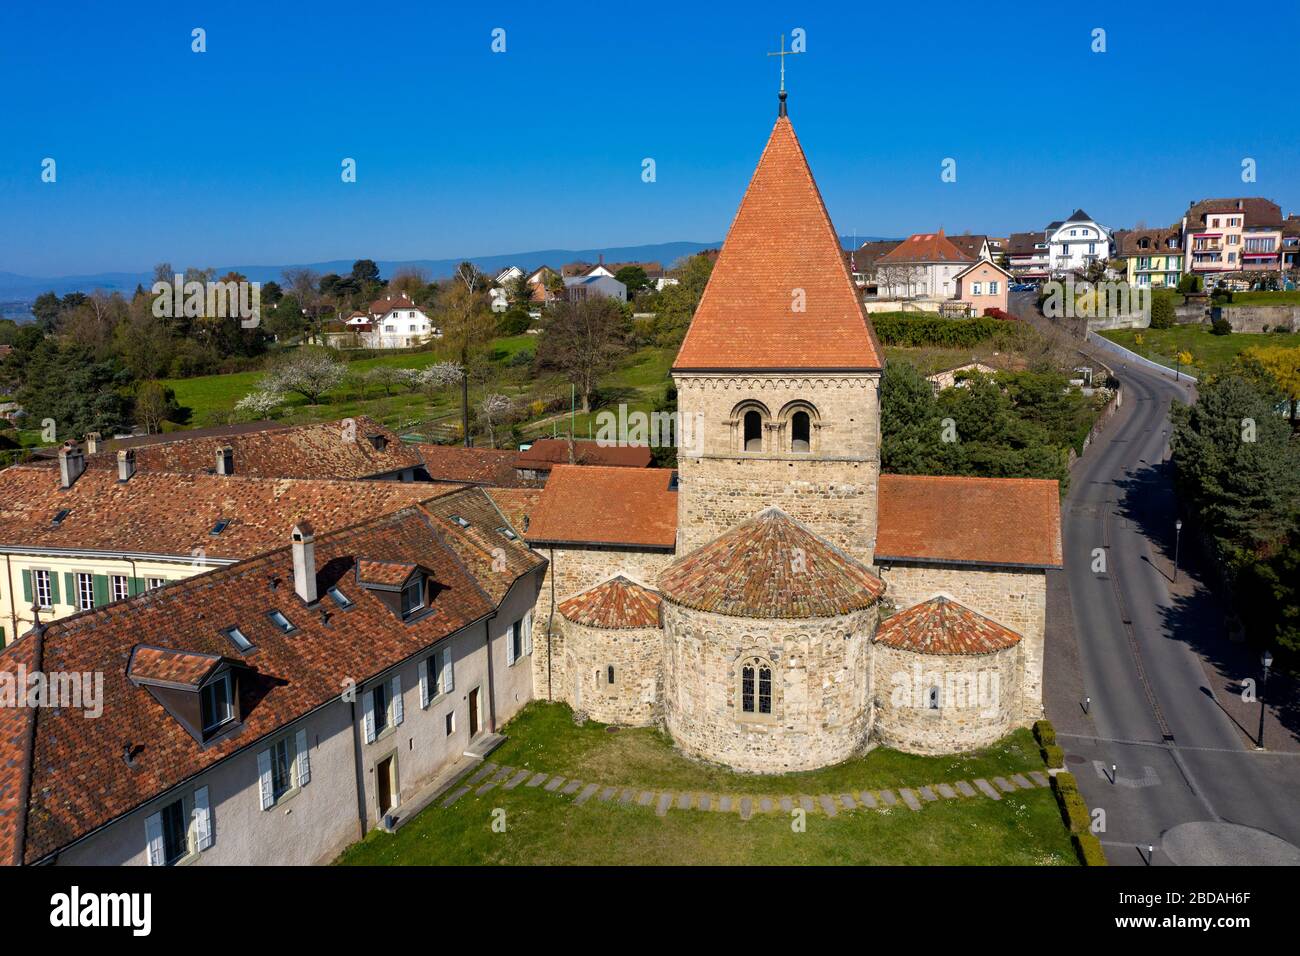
[546,452]
[770,566]
[942,626]
[337,449]
[176,514]
[925,247]
[617,603]
[476,466]
[480,540]
[515,504]
[166,665]
[80,779]
[1011,521]
[385,574]
[593,504]
[781,241]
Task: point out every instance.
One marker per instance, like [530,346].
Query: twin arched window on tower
[792,431]
[755,688]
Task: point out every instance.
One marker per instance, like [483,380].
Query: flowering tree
[492,410]
[260,404]
[308,372]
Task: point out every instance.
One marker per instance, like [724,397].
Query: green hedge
[1074,811]
[1064,782]
[908,329]
[1088,847]
[1053,756]
[1044,732]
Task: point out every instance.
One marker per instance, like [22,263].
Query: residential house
[975,246]
[1076,243]
[982,285]
[1153,258]
[924,265]
[1028,254]
[956,377]
[276,710]
[1291,244]
[861,263]
[1222,236]
[535,462]
[397,323]
[580,288]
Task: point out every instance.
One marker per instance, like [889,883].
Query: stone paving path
[490,776]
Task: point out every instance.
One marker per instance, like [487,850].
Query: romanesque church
[779,604]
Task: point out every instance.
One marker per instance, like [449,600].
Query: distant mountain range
[18,291]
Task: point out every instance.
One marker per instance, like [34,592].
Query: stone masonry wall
[832,488]
[1015,598]
[978,699]
[575,570]
[821,711]
[637,656]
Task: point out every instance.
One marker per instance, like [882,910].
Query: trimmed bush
[1064,782]
[1220,327]
[1074,811]
[1088,847]
[926,329]
[1044,732]
[1053,756]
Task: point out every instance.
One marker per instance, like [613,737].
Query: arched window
[800,430]
[753,431]
[932,698]
[756,687]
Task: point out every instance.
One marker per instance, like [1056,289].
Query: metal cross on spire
[783,53]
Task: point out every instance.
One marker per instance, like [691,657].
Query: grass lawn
[547,828]
[1209,351]
[1286,297]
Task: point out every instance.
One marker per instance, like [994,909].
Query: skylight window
[60,515]
[508,533]
[280,621]
[221,525]
[339,598]
[459,520]
[237,638]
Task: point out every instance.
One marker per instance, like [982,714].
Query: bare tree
[583,340]
[305,285]
[492,410]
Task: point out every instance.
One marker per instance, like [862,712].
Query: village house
[1238,235]
[1153,258]
[922,266]
[981,286]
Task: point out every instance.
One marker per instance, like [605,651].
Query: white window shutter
[424,680]
[528,633]
[153,835]
[448,672]
[510,645]
[264,779]
[202,820]
[370,717]
[397,700]
[303,758]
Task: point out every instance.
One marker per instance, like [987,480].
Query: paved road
[1186,778]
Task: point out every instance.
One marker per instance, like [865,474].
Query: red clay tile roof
[387,574]
[593,504]
[942,626]
[334,449]
[381,307]
[1255,210]
[80,781]
[617,603]
[475,466]
[968,244]
[546,452]
[781,241]
[925,247]
[175,514]
[165,665]
[516,504]
[770,566]
[1010,521]
[495,559]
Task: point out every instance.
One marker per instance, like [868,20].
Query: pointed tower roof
[616,603]
[770,566]
[781,241]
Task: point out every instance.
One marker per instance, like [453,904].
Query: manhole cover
[1075,758]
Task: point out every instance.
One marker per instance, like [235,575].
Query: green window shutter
[54,587]
[101,590]
[136,586]
[27,587]
[70,588]
[2,637]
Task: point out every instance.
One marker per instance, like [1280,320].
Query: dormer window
[413,596]
[378,440]
[236,637]
[217,703]
[281,622]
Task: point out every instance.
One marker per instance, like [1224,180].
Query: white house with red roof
[922,266]
[395,322]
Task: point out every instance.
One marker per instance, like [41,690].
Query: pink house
[983,285]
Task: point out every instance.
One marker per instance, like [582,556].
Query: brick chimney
[71,464]
[225,460]
[125,464]
[304,561]
[92,443]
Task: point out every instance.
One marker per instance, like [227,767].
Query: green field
[1023,828]
[1288,297]
[1209,351]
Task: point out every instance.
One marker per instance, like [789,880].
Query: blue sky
[233,155]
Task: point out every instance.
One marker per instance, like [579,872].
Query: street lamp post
[1178,535]
[1267,660]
